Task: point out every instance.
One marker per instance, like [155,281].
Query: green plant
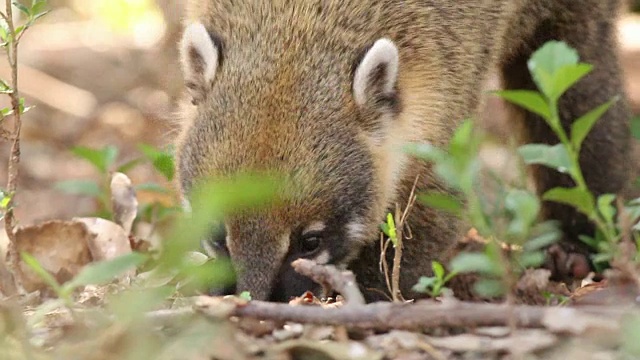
[10,35]
[104,160]
[555,67]
[93,274]
[434,285]
[510,219]
[5,200]
[515,239]
[389,229]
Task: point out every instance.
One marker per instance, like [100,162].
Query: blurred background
[104,74]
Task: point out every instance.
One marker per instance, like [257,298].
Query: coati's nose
[222,291]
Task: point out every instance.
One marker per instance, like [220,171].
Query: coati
[328,91]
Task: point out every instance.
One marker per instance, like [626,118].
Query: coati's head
[318,110]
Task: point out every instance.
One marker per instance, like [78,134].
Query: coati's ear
[376,74]
[199,54]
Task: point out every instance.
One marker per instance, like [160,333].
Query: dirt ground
[94,87]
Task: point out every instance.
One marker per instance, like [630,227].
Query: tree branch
[422,315]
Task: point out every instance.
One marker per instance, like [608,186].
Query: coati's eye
[311,243]
[215,245]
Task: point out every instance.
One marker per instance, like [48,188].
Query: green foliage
[5,203]
[434,285]
[162,160]
[33,12]
[555,67]
[245,295]
[95,274]
[104,160]
[389,229]
[210,201]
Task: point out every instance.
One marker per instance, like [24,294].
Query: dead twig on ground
[424,314]
[329,276]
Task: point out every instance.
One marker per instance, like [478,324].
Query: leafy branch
[10,36]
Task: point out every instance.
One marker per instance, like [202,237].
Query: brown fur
[282,99]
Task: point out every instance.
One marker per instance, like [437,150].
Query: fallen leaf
[59,246]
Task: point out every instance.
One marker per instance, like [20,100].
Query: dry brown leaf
[59,246]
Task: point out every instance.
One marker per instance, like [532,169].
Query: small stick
[400,220]
[14,155]
[343,282]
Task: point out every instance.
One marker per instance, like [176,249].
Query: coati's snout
[331,136]
[262,262]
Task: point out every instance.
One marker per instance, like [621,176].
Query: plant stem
[576,171]
[14,157]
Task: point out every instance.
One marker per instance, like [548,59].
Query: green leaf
[4,202]
[391,229]
[129,165]
[589,241]
[33,263]
[102,159]
[438,269]
[245,295]
[530,100]
[606,208]
[162,161]
[584,124]
[461,139]
[445,202]
[582,200]
[547,61]
[567,76]
[475,262]
[601,257]
[532,259]
[79,187]
[424,284]
[22,8]
[425,151]
[38,7]
[489,288]
[5,88]
[105,271]
[555,157]
[542,241]
[524,208]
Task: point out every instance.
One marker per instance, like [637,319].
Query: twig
[343,282]
[384,267]
[386,316]
[400,220]
[14,157]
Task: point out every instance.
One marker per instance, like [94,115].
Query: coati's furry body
[328,91]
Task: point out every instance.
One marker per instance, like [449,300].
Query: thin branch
[14,156]
[422,315]
[343,282]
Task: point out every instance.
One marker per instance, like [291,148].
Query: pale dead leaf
[108,241]
[124,202]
